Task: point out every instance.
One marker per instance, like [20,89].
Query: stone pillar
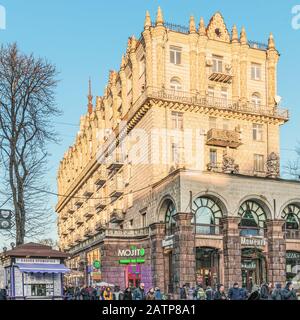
[123,88]
[135,70]
[235,64]
[184,251]
[157,234]
[272,59]
[276,252]
[244,66]
[232,251]
[202,44]
[193,39]
[148,49]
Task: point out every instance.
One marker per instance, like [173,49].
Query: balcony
[100,226]
[88,212]
[222,77]
[292,234]
[71,228]
[115,161]
[223,138]
[88,231]
[79,221]
[64,216]
[100,205]
[116,188]
[77,238]
[64,233]
[78,202]
[71,210]
[100,177]
[117,215]
[207,229]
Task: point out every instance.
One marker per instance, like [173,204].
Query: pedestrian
[183,293]
[201,295]
[139,293]
[265,291]
[288,292]
[255,294]
[150,294]
[84,293]
[157,293]
[127,294]
[277,293]
[235,293]
[94,293]
[209,293]
[77,293]
[107,294]
[3,294]
[118,294]
[220,293]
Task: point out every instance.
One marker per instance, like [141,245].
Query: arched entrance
[254,267]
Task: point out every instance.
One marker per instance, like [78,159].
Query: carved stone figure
[273,165]
[229,165]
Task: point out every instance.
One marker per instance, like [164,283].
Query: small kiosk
[34,271]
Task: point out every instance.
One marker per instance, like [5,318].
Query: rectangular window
[224,93]
[177,120]
[213,157]
[211,92]
[258,163]
[144,220]
[212,123]
[255,71]
[217,64]
[257,132]
[175,55]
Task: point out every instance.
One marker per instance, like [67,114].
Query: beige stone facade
[180,157]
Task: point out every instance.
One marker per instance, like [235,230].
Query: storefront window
[293,268]
[207,266]
[253,219]
[207,214]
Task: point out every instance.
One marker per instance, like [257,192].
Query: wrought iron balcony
[223,138]
[127,233]
[101,204]
[100,176]
[292,234]
[89,212]
[116,188]
[79,221]
[115,161]
[117,215]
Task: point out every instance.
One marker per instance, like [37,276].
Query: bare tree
[293,166]
[27,106]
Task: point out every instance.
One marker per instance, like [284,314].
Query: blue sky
[87,38]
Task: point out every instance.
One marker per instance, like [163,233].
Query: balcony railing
[71,228]
[100,176]
[117,215]
[216,103]
[116,188]
[100,225]
[115,161]
[292,234]
[79,221]
[101,204]
[207,229]
[223,138]
[89,212]
[253,232]
[222,77]
[128,232]
[64,216]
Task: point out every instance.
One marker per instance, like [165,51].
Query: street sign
[5,219]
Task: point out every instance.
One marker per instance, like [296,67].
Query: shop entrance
[207,267]
[254,270]
[133,275]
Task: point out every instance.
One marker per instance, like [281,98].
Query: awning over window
[42,268]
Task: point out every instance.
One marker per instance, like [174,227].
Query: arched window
[291,214]
[256,100]
[175,84]
[253,220]
[169,218]
[207,214]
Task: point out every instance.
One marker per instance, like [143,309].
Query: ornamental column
[276,251]
[113,89]
[244,66]
[148,48]
[135,69]
[202,43]
[184,251]
[232,251]
[235,49]
[123,87]
[272,59]
[193,39]
[157,234]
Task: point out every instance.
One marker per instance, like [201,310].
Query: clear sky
[87,38]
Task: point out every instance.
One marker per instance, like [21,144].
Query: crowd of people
[265,292]
[109,293]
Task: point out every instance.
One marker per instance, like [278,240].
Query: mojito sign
[132,255]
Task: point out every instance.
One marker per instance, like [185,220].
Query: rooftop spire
[234,34]
[271,42]
[147,23]
[192,24]
[90,98]
[243,37]
[159,17]
[202,30]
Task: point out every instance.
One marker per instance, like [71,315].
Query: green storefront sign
[132,255]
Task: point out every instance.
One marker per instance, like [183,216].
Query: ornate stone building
[174,175]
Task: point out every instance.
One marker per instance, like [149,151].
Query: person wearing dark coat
[3,294]
[277,293]
[265,291]
[235,293]
[220,293]
[127,294]
[209,293]
[288,292]
[139,293]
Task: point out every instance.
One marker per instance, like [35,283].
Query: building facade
[174,176]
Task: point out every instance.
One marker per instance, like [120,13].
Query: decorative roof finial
[202,30]
[147,23]
[271,42]
[159,17]
[192,25]
[243,37]
[123,62]
[133,43]
[234,34]
[90,98]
